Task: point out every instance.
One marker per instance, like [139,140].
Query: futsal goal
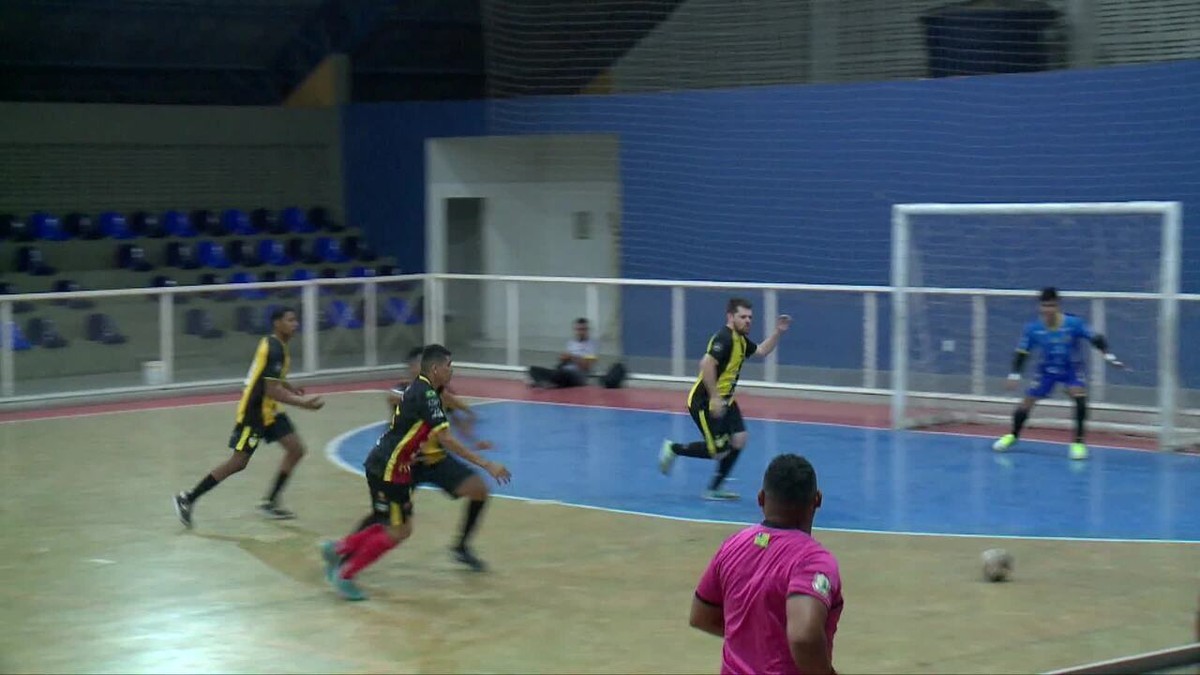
[965,281]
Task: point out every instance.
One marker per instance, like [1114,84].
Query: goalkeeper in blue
[1059,338]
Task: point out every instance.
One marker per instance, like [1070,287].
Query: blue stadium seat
[20,342]
[342,315]
[247,278]
[175,224]
[212,255]
[273,252]
[328,250]
[114,226]
[294,220]
[237,222]
[47,227]
[403,312]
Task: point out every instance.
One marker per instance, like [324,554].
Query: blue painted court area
[873,479]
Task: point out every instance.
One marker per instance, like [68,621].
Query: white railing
[526,295]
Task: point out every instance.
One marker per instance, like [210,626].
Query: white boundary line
[841,425]
[154,408]
[480,400]
[332,446]
[1182,649]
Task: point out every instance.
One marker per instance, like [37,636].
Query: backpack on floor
[615,377]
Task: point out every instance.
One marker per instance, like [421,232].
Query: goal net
[965,282]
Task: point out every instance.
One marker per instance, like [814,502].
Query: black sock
[470,520]
[1080,416]
[723,468]
[280,481]
[207,483]
[1019,418]
[697,449]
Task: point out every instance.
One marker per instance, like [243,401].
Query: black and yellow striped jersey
[730,350]
[271,362]
[408,437]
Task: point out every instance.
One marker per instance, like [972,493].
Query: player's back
[760,567]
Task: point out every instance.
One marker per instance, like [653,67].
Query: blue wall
[383,147]
[800,179]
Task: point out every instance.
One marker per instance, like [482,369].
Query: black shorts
[247,435]
[717,430]
[390,502]
[447,473]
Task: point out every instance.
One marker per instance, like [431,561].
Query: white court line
[840,425]
[332,446]
[480,400]
[177,406]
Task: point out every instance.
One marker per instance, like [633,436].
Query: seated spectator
[574,365]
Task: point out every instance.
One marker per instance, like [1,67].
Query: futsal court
[594,553]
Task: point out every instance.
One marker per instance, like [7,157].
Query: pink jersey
[751,577]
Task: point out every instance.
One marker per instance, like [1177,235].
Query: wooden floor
[100,577]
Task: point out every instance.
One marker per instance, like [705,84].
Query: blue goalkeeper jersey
[1061,346]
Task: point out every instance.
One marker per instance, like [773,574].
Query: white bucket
[154,373]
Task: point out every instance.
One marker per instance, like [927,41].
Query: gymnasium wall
[93,157]
[795,183]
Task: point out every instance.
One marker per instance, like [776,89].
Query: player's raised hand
[314,402]
[783,322]
[499,472]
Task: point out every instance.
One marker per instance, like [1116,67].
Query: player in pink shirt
[772,591]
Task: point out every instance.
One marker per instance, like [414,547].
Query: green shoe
[347,588]
[331,559]
[721,495]
[1004,442]
[1079,451]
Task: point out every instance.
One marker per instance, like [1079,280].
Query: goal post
[964,282]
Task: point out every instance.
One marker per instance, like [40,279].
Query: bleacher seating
[101,248]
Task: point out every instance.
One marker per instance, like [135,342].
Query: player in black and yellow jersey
[418,425]
[460,412]
[259,420]
[711,401]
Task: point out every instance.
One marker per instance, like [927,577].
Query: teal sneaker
[331,559]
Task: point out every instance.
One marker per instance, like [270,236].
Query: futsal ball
[997,564]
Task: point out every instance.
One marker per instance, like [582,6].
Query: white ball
[997,564]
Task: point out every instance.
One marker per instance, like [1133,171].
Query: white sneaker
[666,457]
